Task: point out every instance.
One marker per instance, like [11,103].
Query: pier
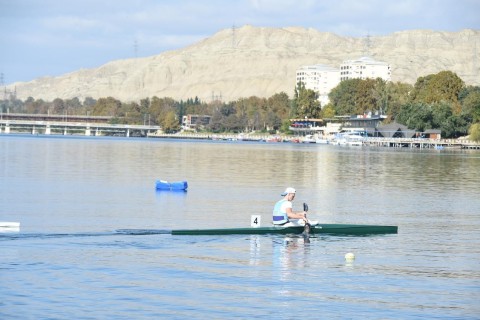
[413,143]
[420,143]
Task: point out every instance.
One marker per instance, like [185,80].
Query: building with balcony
[365,68]
[319,78]
[322,79]
[194,121]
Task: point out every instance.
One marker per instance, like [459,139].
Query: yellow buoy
[349,256]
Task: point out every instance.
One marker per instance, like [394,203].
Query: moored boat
[309,138]
[8,224]
[337,229]
[350,139]
[174,186]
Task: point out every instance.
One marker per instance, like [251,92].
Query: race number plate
[255,221]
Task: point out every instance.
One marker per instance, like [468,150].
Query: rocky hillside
[261,61]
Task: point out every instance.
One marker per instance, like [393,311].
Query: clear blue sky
[53,37]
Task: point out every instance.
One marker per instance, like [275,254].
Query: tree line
[436,101]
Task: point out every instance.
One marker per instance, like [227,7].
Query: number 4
[255,221]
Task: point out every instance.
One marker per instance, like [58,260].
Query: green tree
[343,97]
[89,102]
[216,124]
[417,116]
[294,102]
[398,95]
[279,104]
[170,123]
[158,110]
[434,88]
[306,102]
[471,104]
[474,132]
[365,97]
[106,107]
[58,106]
[285,127]
[328,112]
[73,105]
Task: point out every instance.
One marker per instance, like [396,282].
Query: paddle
[306,230]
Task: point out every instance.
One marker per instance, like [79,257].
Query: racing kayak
[323,228]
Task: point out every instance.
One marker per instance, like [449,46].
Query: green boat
[338,229]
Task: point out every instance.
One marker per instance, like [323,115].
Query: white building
[195,121]
[365,68]
[319,78]
[322,79]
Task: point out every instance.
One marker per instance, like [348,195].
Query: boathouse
[395,130]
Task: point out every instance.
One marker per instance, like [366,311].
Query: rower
[283,212]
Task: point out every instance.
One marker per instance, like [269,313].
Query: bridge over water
[69,125]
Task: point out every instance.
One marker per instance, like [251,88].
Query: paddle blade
[306,233]
[305,207]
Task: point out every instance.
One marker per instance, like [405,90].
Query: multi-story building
[322,79]
[194,121]
[319,78]
[364,68]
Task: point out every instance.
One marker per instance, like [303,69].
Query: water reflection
[255,250]
[290,254]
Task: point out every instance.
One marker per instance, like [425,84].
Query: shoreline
[398,143]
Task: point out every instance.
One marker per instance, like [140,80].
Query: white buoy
[349,256]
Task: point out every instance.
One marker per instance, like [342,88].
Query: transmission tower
[367,45]
[135,48]
[475,59]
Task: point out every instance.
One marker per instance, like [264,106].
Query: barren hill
[248,61]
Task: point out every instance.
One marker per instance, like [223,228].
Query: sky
[53,37]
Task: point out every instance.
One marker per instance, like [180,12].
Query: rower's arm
[295,215]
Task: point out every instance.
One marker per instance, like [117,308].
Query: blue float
[173,186]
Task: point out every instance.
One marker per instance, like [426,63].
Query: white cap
[287,191]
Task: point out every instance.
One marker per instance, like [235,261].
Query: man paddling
[283,212]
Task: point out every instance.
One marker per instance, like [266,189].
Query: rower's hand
[304,216]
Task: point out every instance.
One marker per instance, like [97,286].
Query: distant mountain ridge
[258,61]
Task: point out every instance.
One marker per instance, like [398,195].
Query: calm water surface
[78,200]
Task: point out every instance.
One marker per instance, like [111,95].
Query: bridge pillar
[47,129]
[7,129]
[128,132]
[97,132]
[65,131]
[34,131]
[87,131]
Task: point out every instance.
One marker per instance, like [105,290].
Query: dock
[421,143]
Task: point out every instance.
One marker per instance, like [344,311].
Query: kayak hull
[338,229]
